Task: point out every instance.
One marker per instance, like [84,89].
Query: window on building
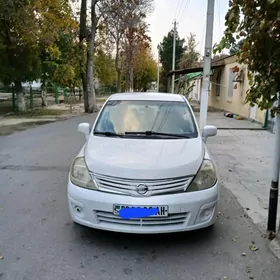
[230,83]
[218,82]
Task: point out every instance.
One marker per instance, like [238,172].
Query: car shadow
[106,239]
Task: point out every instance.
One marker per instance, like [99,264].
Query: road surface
[38,241]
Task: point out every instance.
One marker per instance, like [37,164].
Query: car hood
[144,158]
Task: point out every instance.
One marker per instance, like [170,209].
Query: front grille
[171,220]
[129,186]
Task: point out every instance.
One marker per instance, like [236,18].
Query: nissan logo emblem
[142,189]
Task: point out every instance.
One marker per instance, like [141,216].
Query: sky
[191,17]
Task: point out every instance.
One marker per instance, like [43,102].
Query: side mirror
[85,129]
[208,131]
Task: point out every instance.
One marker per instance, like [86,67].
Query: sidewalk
[221,122]
[244,160]
[11,123]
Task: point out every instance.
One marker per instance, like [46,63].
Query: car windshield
[126,117]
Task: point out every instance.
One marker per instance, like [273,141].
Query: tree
[190,57]
[115,25]
[236,47]
[166,53]
[259,27]
[135,35]
[26,27]
[90,99]
[62,54]
[145,68]
[105,68]
[87,38]
[135,39]
[83,38]
[122,21]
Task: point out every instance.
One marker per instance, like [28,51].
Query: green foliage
[236,47]
[166,51]
[29,33]
[105,68]
[145,69]
[257,23]
[19,50]
[61,61]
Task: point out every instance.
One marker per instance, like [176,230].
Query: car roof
[147,96]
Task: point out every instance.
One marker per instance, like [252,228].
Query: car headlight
[205,178]
[80,176]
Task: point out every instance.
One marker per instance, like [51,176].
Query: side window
[218,82]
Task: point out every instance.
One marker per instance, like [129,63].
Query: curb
[274,246]
[245,128]
[42,120]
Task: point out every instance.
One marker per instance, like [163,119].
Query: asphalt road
[39,242]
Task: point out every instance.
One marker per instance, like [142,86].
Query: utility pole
[158,71]
[274,189]
[173,57]
[207,63]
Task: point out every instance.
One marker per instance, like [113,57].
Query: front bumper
[187,211]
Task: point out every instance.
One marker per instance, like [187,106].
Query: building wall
[230,96]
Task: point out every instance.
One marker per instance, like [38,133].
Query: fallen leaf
[243,254]
[233,239]
[1,257]
[253,248]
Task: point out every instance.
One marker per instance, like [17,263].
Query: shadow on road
[108,239]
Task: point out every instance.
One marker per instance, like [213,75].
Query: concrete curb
[38,121]
[274,246]
[241,128]
[257,219]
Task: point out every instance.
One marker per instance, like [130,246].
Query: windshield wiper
[107,133]
[151,133]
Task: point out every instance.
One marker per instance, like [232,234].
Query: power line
[176,10]
[184,9]
[203,36]
[219,16]
[179,12]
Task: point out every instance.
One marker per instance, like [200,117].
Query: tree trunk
[90,92]
[127,82]
[85,89]
[83,21]
[119,86]
[92,106]
[131,79]
[83,36]
[20,97]
[117,66]
[44,96]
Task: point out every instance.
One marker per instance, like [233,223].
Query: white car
[144,168]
